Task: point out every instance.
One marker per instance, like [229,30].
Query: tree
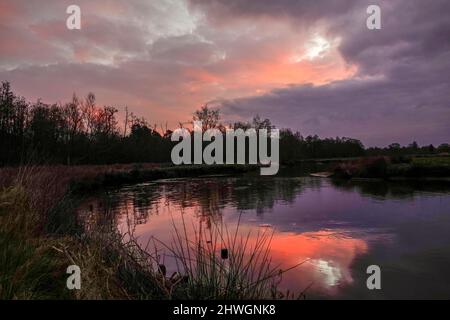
[79,132]
[89,111]
[444,147]
[209,117]
[74,121]
[413,146]
[258,123]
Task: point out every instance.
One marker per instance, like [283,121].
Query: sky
[312,66]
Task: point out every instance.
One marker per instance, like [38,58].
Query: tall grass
[40,236]
[218,263]
[29,267]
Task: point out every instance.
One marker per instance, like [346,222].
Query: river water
[337,228]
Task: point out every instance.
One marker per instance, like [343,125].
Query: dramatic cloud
[309,65]
[401,90]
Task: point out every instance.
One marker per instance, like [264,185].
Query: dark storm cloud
[402,88]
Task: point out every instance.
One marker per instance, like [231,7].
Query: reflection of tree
[135,204]
[142,204]
[262,193]
[211,195]
[208,197]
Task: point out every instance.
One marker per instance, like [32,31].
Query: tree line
[81,132]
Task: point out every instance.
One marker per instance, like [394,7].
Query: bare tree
[209,117]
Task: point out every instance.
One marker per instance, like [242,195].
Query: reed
[219,263]
[40,236]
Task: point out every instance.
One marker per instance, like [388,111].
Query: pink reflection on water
[327,255]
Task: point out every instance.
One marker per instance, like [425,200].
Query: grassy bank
[81,179]
[137,174]
[40,236]
[392,168]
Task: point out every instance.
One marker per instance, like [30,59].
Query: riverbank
[87,178]
[392,168]
[137,174]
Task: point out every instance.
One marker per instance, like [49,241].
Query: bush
[373,167]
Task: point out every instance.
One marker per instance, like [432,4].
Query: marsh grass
[40,236]
[29,267]
[219,263]
[30,270]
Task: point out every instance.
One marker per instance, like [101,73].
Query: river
[337,228]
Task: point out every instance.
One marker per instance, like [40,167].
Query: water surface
[338,228]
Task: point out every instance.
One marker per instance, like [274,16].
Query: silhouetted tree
[80,132]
